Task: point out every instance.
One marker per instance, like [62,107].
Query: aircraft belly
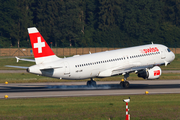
[94,72]
[86,72]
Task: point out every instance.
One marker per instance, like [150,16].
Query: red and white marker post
[127,115]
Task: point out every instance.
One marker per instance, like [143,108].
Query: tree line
[91,23]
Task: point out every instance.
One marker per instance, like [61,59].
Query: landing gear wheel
[126,84]
[122,83]
[91,83]
[88,83]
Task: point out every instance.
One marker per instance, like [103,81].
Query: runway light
[146,92]
[6,96]
[6,82]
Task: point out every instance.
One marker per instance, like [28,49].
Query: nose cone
[173,56]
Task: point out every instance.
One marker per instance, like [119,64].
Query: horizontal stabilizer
[22,67]
[29,60]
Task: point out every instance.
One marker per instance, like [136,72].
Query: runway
[70,89]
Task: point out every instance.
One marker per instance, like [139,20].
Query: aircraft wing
[22,67]
[129,70]
[120,70]
[135,66]
[29,60]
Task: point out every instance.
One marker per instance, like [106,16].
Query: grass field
[12,61]
[142,107]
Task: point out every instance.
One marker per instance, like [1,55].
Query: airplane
[144,60]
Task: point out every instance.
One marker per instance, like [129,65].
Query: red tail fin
[40,47]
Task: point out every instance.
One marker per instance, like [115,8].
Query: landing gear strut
[124,83]
[91,83]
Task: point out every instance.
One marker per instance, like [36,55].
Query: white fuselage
[106,64]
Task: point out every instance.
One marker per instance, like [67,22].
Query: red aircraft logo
[157,72]
[149,50]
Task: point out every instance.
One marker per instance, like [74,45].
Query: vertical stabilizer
[42,51]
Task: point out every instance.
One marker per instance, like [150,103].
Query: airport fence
[27,52]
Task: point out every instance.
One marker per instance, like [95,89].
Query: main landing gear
[124,83]
[91,83]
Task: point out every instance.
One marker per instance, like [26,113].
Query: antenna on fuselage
[152,42]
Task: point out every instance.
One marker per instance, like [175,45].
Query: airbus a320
[144,60]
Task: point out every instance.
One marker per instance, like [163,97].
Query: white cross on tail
[39,45]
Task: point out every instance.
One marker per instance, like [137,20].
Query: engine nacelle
[152,73]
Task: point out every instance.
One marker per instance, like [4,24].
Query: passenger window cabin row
[117,59]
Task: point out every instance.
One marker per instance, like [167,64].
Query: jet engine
[152,73]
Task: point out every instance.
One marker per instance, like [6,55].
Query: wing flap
[128,70]
[112,71]
[120,70]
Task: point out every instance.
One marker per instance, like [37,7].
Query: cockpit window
[168,50]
